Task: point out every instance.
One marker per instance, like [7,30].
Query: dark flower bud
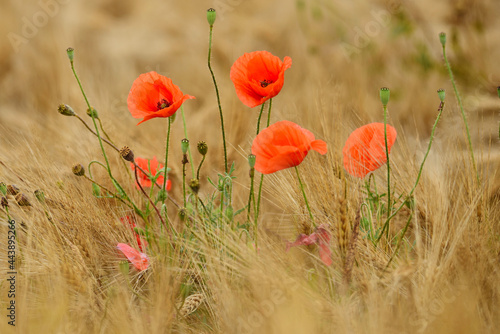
[202,147]
[22,200]
[78,170]
[442,38]
[384,95]
[92,113]
[71,53]
[65,110]
[442,94]
[4,202]
[211,15]
[12,189]
[3,188]
[127,153]
[194,184]
[184,145]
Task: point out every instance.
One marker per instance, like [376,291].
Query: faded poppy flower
[152,166]
[321,237]
[364,150]
[282,145]
[127,221]
[139,260]
[258,76]
[153,95]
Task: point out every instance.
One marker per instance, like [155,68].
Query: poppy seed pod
[4,202]
[442,38]
[194,184]
[184,145]
[71,53]
[65,110]
[3,188]
[183,214]
[92,113]
[442,94]
[202,147]
[12,189]
[78,170]
[127,153]
[22,200]
[251,161]
[385,93]
[211,15]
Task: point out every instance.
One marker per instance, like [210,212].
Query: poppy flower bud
[442,38]
[4,202]
[183,214]
[442,94]
[124,267]
[65,110]
[211,14]
[40,196]
[384,95]
[22,200]
[78,170]
[3,188]
[12,189]
[202,147]
[184,145]
[71,53]
[127,153]
[92,113]
[194,184]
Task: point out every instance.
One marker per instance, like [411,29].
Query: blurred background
[342,52]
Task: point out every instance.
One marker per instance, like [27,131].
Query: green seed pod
[93,113]
[251,161]
[202,147]
[442,38]
[211,15]
[40,196]
[194,184]
[184,145]
[442,94]
[385,93]
[65,110]
[183,214]
[71,53]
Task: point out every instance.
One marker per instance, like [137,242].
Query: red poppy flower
[321,237]
[139,260]
[152,166]
[258,76]
[364,150]
[153,95]
[282,145]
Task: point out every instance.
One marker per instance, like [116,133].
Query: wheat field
[442,278]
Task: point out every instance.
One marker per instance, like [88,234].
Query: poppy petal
[139,260]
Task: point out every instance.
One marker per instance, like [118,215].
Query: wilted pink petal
[138,259]
[303,239]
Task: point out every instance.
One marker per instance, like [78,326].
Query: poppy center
[264,83]
[162,104]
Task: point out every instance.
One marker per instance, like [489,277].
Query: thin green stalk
[218,98]
[184,181]
[109,191]
[386,224]
[450,73]
[260,115]
[186,136]
[163,191]
[262,175]
[250,194]
[305,197]
[199,167]
[389,204]
[399,241]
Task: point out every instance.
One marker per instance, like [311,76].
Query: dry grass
[445,277]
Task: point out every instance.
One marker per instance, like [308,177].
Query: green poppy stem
[165,175]
[218,98]
[305,197]
[389,204]
[186,136]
